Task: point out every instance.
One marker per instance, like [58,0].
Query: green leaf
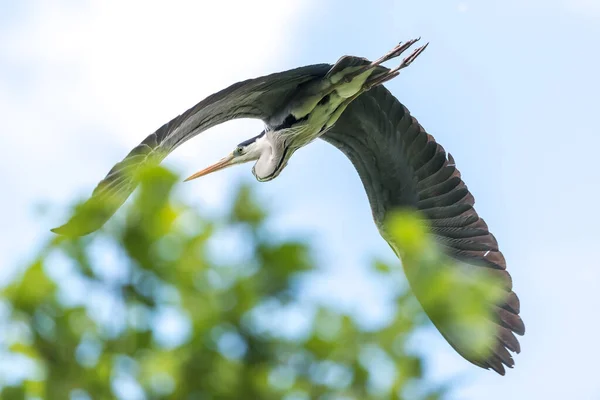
[32,290]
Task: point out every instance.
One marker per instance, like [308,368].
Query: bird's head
[266,149]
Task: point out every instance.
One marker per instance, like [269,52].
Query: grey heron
[398,162]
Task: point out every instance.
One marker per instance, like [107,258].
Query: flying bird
[399,164]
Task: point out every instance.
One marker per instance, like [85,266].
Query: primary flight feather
[400,165]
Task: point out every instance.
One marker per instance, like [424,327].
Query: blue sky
[509,88]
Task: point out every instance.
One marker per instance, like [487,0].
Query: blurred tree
[141,310]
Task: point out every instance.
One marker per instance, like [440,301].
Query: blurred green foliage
[142,310]
[459,298]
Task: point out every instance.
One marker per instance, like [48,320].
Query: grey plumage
[261,98]
[399,164]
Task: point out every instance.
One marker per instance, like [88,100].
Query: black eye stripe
[251,140]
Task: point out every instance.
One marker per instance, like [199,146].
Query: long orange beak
[224,163]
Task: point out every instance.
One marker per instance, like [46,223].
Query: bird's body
[400,165]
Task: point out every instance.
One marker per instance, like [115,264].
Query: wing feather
[402,166]
[254,98]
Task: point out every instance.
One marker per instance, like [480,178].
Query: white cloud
[123,69]
[116,62]
[82,83]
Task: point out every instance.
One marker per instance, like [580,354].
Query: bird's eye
[238,151]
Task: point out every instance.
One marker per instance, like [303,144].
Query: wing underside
[402,166]
[399,164]
[254,98]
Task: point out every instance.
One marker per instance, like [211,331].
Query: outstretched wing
[254,98]
[402,166]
